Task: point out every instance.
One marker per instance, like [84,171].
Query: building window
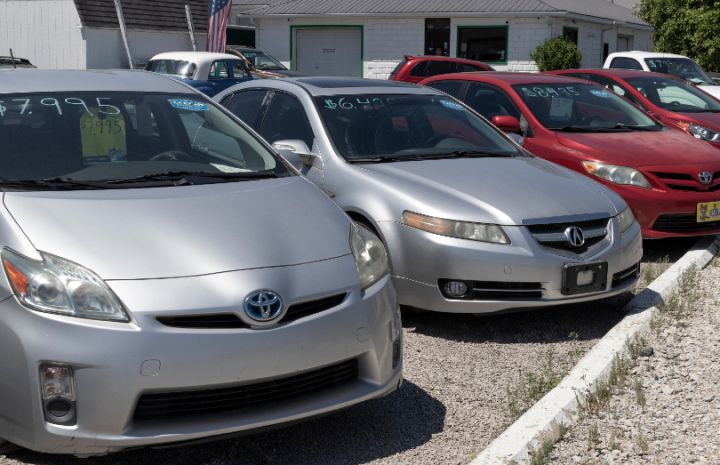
[571,33]
[437,36]
[483,43]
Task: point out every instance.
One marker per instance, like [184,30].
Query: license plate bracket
[571,272]
[708,212]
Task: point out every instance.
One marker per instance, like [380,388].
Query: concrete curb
[560,405]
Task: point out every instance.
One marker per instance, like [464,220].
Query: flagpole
[191,27]
[123,31]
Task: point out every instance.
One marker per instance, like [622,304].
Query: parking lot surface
[452,404]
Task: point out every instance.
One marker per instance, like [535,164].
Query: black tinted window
[626,63]
[285,119]
[246,105]
[419,69]
[449,87]
[436,68]
[490,102]
[468,68]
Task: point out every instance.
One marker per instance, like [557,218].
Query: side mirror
[506,123]
[517,138]
[298,147]
[292,158]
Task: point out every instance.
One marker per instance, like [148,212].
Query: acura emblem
[575,237]
[705,177]
[263,306]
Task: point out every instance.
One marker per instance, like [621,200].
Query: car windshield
[683,68]
[389,127]
[109,137]
[673,94]
[172,67]
[262,60]
[581,106]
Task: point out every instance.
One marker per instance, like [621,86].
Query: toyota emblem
[264,306]
[575,236]
[705,177]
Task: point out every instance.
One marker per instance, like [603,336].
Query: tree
[557,53]
[685,27]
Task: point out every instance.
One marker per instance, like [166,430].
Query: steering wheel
[591,118]
[172,155]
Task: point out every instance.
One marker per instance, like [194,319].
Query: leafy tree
[685,27]
[557,53]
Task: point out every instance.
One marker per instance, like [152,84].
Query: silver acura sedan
[169,277]
[472,222]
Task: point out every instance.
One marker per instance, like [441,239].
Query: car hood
[185,231]
[503,191]
[283,72]
[637,148]
[712,90]
[711,119]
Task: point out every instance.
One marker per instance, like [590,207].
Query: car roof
[499,76]
[243,48]
[621,73]
[198,58]
[440,58]
[640,54]
[319,86]
[55,80]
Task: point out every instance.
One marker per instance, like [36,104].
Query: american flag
[218,19]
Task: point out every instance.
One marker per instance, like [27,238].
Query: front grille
[544,233]
[560,227]
[311,307]
[683,176]
[491,290]
[576,250]
[682,223]
[166,405]
[696,186]
[678,187]
[626,275]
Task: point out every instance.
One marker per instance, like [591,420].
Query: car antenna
[12,58]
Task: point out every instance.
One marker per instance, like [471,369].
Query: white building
[85,34]
[369,37]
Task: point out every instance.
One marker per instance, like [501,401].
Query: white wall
[45,32]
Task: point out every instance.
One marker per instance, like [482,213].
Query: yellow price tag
[103,137]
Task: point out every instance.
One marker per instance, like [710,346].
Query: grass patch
[639,392]
[593,436]
[531,387]
[542,455]
[652,271]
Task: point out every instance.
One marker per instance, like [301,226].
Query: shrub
[557,53]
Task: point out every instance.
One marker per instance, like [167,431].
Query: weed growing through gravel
[593,436]
[613,444]
[542,455]
[639,392]
[531,387]
[653,270]
[473,454]
[562,431]
[642,442]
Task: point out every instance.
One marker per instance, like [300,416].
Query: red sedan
[415,69]
[675,102]
[671,181]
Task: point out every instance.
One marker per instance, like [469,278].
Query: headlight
[56,285]
[626,219]
[700,132]
[473,231]
[370,256]
[617,174]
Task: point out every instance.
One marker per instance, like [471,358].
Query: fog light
[58,394]
[456,288]
[59,408]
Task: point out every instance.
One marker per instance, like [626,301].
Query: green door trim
[317,26]
[507,38]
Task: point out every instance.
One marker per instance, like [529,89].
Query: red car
[675,102]
[415,69]
[671,181]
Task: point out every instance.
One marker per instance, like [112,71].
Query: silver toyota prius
[472,222]
[168,276]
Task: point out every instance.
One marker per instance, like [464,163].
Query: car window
[449,87]
[683,68]
[626,63]
[467,67]
[264,61]
[373,125]
[101,136]
[581,107]
[438,67]
[490,102]
[419,69]
[219,70]
[172,67]
[239,70]
[673,94]
[286,119]
[246,105]
[610,84]
[399,65]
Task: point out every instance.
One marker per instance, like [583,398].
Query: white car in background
[678,66]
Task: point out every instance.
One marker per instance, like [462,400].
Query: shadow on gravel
[403,420]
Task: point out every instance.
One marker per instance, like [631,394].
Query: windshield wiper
[382,159]
[705,111]
[617,127]
[52,183]
[464,154]
[178,176]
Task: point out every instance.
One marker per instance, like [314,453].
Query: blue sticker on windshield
[599,93]
[453,105]
[188,105]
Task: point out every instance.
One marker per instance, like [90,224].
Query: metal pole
[191,28]
[123,31]
[12,58]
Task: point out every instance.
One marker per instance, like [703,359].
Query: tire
[7,447]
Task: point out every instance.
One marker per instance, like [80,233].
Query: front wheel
[7,447]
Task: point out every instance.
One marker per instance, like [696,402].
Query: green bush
[557,53]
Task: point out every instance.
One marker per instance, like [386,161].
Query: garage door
[329,52]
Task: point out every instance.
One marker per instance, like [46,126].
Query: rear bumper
[107,358]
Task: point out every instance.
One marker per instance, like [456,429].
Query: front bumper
[107,357]
[420,259]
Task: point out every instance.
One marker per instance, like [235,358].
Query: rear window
[626,63]
[399,65]
[683,68]
[419,69]
[172,67]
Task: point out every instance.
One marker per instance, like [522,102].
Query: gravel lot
[680,421]
[453,402]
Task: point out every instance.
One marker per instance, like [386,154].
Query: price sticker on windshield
[103,137]
[561,109]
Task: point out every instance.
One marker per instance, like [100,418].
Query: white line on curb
[560,405]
